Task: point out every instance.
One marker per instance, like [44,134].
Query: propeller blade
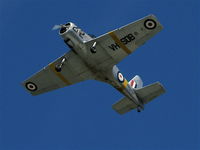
[56,27]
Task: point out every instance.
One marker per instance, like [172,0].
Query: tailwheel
[140,108]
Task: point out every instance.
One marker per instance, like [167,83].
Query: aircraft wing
[49,79]
[123,41]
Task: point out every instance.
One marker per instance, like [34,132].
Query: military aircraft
[95,58]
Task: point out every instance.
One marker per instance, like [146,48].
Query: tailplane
[149,92]
[144,94]
[124,105]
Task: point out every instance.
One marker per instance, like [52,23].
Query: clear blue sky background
[80,117]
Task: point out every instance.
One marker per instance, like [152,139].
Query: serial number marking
[125,40]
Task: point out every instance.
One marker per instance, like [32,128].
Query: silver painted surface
[81,64]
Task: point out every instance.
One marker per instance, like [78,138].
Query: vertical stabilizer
[136,82]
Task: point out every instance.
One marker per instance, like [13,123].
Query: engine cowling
[73,36]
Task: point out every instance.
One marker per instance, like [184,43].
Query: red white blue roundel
[150,24]
[120,77]
[31,86]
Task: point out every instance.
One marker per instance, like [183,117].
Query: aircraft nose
[63,29]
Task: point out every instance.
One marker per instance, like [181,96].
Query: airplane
[95,58]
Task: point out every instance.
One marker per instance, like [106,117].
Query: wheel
[138,109]
[93,50]
[58,68]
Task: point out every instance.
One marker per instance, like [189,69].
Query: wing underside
[111,48]
[49,79]
[119,43]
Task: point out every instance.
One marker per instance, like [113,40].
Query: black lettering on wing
[131,37]
[124,41]
[114,46]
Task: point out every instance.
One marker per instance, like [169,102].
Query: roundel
[31,86]
[120,77]
[150,24]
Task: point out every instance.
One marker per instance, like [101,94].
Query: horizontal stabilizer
[149,92]
[145,94]
[124,105]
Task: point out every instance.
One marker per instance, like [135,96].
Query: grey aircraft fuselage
[108,75]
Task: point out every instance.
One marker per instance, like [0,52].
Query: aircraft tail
[149,92]
[144,94]
[136,82]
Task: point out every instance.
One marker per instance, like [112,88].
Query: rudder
[136,82]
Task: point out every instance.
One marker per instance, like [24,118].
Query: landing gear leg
[93,48]
[58,67]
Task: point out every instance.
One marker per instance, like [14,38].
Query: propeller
[56,27]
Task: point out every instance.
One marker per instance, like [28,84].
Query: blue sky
[80,117]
